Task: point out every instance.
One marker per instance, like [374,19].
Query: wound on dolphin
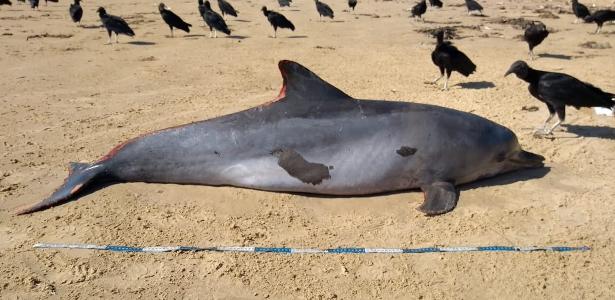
[406,151]
[296,166]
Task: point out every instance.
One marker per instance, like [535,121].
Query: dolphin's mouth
[525,159]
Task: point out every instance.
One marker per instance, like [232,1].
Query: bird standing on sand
[448,58]
[352,4]
[277,20]
[419,9]
[33,4]
[114,24]
[436,3]
[472,6]
[75,11]
[214,21]
[226,8]
[534,34]
[599,17]
[283,3]
[323,10]
[558,90]
[579,10]
[172,19]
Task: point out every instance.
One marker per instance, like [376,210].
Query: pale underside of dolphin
[315,139]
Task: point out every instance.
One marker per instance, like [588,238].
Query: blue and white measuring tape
[310,250]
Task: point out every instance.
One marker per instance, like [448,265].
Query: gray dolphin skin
[316,139]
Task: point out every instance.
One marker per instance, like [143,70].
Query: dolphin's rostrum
[316,139]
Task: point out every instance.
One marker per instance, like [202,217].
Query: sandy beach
[68,97]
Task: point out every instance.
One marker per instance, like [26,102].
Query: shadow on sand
[141,43]
[476,85]
[602,132]
[555,56]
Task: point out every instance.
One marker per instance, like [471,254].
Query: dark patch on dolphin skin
[296,166]
[406,151]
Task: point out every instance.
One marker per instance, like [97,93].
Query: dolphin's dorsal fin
[303,85]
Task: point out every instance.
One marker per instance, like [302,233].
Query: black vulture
[534,34]
[448,58]
[75,11]
[419,9]
[56,1]
[472,5]
[559,90]
[352,4]
[283,3]
[323,9]
[5,2]
[277,20]
[172,19]
[33,4]
[214,21]
[601,16]
[579,10]
[436,3]
[114,24]
[226,8]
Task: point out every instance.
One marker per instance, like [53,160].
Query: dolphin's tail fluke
[79,176]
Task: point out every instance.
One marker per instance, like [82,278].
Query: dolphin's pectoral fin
[440,197]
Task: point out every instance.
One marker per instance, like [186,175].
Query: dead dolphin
[316,139]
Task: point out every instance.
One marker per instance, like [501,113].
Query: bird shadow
[141,43]
[296,36]
[602,132]
[476,85]
[555,56]
[194,35]
[337,21]
[91,26]
[243,21]
[237,37]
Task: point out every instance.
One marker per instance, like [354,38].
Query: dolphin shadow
[507,178]
[237,37]
[141,43]
[476,85]
[555,56]
[602,132]
[500,179]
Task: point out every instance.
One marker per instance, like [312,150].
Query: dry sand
[73,99]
